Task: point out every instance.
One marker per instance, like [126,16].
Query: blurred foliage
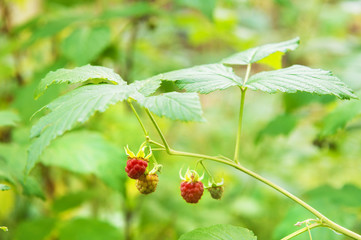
[306,143]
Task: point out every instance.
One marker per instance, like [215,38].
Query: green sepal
[140,153]
[129,153]
[212,184]
[190,176]
[157,168]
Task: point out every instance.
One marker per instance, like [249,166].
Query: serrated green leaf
[300,78]
[88,153]
[78,75]
[88,229]
[4,187]
[219,232]
[203,78]
[83,45]
[69,110]
[174,105]
[253,55]
[338,118]
[8,118]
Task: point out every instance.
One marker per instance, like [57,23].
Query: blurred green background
[308,144]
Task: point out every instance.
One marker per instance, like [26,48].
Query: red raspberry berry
[147,183]
[136,167]
[216,191]
[191,191]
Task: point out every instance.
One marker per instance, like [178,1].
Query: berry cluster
[191,186]
[136,168]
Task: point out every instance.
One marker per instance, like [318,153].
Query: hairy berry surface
[147,183]
[191,191]
[136,167]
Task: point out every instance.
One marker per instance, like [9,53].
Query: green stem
[240,118]
[209,174]
[166,146]
[139,120]
[248,71]
[324,220]
[302,230]
[309,232]
[239,132]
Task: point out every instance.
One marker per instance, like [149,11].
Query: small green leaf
[83,45]
[78,75]
[174,105]
[71,109]
[219,232]
[4,187]
[5,229]
[8,118]
[338,118]
[255,54]
[88,229]
[300,78]
[203,78]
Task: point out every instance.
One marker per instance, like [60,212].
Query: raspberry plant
[107,88]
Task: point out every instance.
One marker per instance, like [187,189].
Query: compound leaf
[78,75]
[300,78]
[174,105]
[69,110]
[219,232]
[203,78]
[255,54]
